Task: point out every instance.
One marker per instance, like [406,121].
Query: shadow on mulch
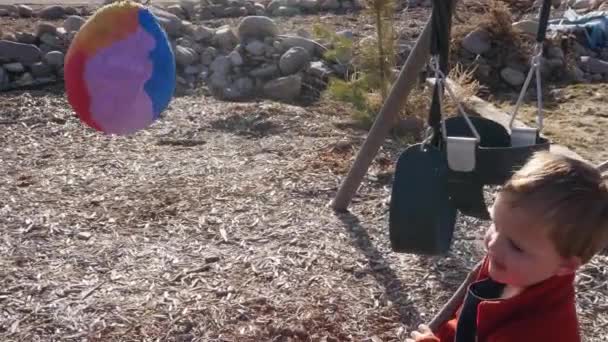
[380,269]
[254,125]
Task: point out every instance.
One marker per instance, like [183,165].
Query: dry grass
[509,46]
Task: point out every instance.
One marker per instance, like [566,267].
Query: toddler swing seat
[446,172]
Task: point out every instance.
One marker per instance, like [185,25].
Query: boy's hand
[422,334]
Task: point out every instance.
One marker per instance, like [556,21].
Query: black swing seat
[421,218]
[496,161]
[426,193]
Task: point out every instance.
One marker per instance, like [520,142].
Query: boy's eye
[514,246]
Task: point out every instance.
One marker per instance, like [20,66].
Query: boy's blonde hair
[571,199]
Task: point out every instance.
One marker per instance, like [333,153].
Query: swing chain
[442,82]
[535,70]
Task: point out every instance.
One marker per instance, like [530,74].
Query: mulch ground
[214,225]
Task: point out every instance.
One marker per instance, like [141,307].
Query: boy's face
[519,249]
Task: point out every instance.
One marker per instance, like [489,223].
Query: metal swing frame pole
[385,119]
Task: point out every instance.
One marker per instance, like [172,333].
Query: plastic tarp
[593,24]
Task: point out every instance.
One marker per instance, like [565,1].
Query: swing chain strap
[535,68]
[441,79]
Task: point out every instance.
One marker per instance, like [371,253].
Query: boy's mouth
[498,265]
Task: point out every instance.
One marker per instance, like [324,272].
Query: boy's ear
[569,265]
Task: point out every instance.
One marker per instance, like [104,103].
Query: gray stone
[185,42]
[346,5]
[477,42]
[225,38]
[52,40]
[44,48]
[319,69]
[235,58]
[245,86]
[275,4]
[256,48]
[593,65]
[189,7]
[577,74]
[330,4]
[25,11]
[309,5]
[203,34]
[218,81]
[555,52]
[41,70]
[10,37]
[294,60]
[348,34]
[580,50]
[221,65]
[208,55]
[287,11]
[193,69]
[52,12]
[10,9]
[187,29]
[54,58]
[25,80]
[73,23]
[14,68]
[257,27]
[4,13]
[70,10]
[359,4]
[295,41]
[4,81]
[513,76]
[25,37]
[266,71]
[284,88]
[231,93]
[171,23]
[259,9]
[45,27]
[177,10]
[185,56]
[24,53]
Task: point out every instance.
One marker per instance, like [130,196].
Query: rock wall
[566,57]
[250,60]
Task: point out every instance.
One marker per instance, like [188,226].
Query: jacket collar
[491,313]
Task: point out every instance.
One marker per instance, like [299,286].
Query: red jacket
[543,312]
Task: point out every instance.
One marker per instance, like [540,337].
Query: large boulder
[294,60]
[73,23]
[225,38]
[286,88]
[477,42]
[257,27]
[171,23]
[24,53]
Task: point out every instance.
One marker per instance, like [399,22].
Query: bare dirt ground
[213,225]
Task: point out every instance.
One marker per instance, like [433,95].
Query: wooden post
[385,119]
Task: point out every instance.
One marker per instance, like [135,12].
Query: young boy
[550,218]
